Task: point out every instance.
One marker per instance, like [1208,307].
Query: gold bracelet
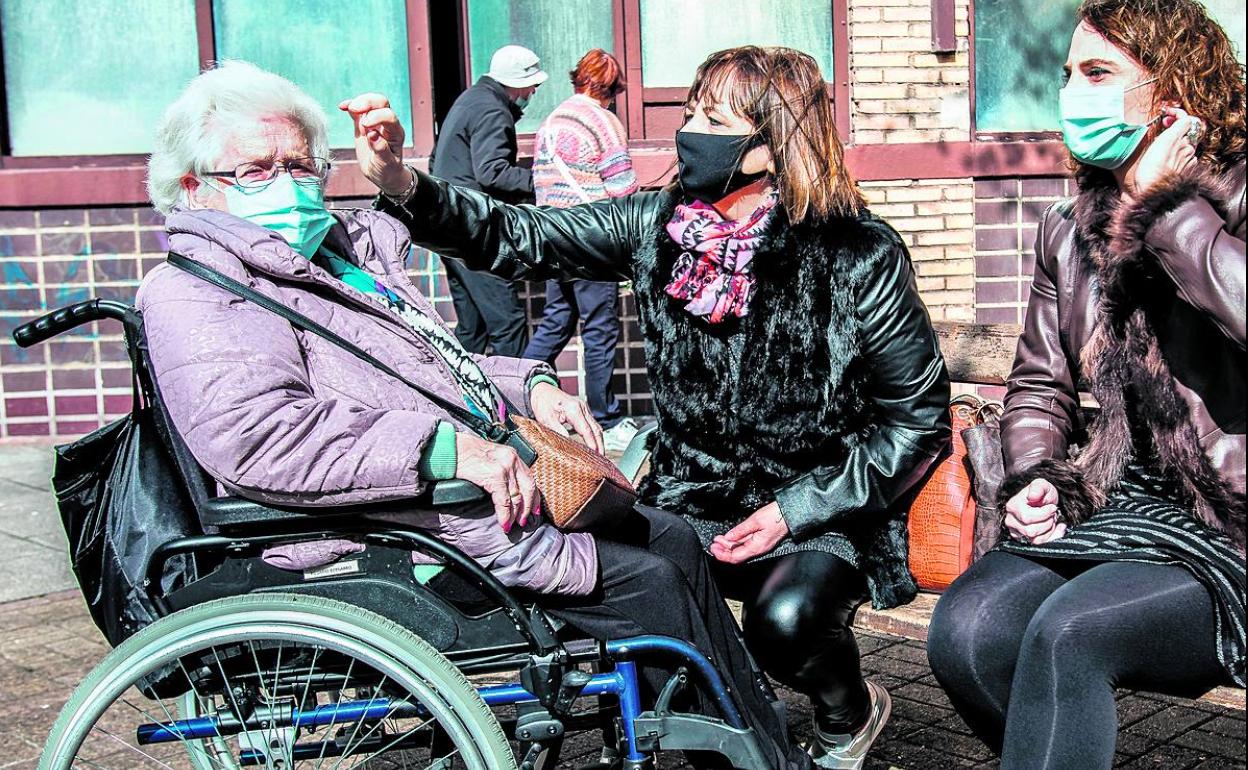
[406,196]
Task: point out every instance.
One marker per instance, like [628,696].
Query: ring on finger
[1193,133]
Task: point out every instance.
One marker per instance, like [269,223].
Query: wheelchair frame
[551,679]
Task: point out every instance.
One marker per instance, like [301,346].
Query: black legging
[798,614]
[655,580]
[1030,652]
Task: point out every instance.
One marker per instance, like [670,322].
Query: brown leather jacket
[1175,259]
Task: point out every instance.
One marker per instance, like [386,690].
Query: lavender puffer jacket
[279,415]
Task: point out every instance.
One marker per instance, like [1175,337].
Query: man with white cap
[476,148]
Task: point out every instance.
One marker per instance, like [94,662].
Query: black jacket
[477,144]
[830,397]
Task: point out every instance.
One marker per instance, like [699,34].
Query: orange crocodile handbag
[942,516]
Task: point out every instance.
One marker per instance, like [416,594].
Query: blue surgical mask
[1095,127]
[294,210]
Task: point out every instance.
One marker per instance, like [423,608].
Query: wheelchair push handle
[62,320]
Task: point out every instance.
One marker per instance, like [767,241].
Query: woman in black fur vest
[799,388]
[1123,563]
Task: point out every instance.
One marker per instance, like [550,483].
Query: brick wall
[900,90]
[80,380]
[53,258]
[936,219]
[1007,212]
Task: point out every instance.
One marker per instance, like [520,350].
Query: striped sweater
[590,141]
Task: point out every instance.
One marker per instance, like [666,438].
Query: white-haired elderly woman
[280,415]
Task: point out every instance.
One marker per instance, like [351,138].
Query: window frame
[103,180]
[652,96]
[98,180]
[653,153]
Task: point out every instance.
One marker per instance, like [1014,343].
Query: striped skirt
[1139,524]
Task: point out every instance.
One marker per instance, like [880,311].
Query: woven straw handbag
[582,489]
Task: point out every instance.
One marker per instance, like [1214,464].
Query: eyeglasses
[256,175]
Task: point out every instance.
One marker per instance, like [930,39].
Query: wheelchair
[361,662]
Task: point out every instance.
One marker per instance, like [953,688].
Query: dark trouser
[596,303]
[655,580]
[1030,652]
[798,617]
[487,310]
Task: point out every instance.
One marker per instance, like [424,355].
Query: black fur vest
[749,404]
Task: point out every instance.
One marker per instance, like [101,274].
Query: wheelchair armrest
[233,512]
[636,453]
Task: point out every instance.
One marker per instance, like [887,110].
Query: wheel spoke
[351,741]
[320,760]
[135,749]
[373,695]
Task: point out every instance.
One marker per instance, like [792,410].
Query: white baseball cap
[517,67]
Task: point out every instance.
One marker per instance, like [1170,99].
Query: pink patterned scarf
[714,273]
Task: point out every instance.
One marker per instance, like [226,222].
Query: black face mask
[709,165]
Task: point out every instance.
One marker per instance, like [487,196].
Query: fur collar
[1139,402]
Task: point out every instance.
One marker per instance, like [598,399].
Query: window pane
[558,31]
[670,54]
[331,50]
[1020,47]
[93,78]
[1231,15]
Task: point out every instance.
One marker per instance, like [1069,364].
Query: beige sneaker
[619,436]
[848,752]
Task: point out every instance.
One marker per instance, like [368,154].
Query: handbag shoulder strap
[491,431]
[566,173]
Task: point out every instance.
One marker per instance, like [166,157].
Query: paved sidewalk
[47,644]
[32,544]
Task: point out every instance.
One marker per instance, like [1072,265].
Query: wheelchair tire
[100,724]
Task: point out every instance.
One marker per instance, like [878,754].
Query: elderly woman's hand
[559,411]
[498,470]
[379,142]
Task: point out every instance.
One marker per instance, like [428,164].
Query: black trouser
[487,310]
[798,617]
[1030,652]
[596,303]
[655,580]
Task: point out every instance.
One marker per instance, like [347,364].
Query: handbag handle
[496,432]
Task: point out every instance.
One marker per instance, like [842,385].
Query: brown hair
[1192,59]
[598,75]
[783,94]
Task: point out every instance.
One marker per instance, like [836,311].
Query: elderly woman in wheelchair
[309,636]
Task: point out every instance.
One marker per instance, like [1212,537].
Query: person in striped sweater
[581,155]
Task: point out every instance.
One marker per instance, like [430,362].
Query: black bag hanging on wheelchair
[121,496]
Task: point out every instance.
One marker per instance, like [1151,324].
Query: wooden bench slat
[979,354]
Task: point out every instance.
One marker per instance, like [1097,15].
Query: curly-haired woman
[1124,565]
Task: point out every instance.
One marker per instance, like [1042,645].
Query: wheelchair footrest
[696,732]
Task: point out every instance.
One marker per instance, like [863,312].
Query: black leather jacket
[893,367]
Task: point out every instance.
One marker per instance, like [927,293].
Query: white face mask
[1095,127]
[294,210]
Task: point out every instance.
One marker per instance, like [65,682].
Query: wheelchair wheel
[276,681]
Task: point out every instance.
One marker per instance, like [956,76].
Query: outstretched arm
[595,241]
